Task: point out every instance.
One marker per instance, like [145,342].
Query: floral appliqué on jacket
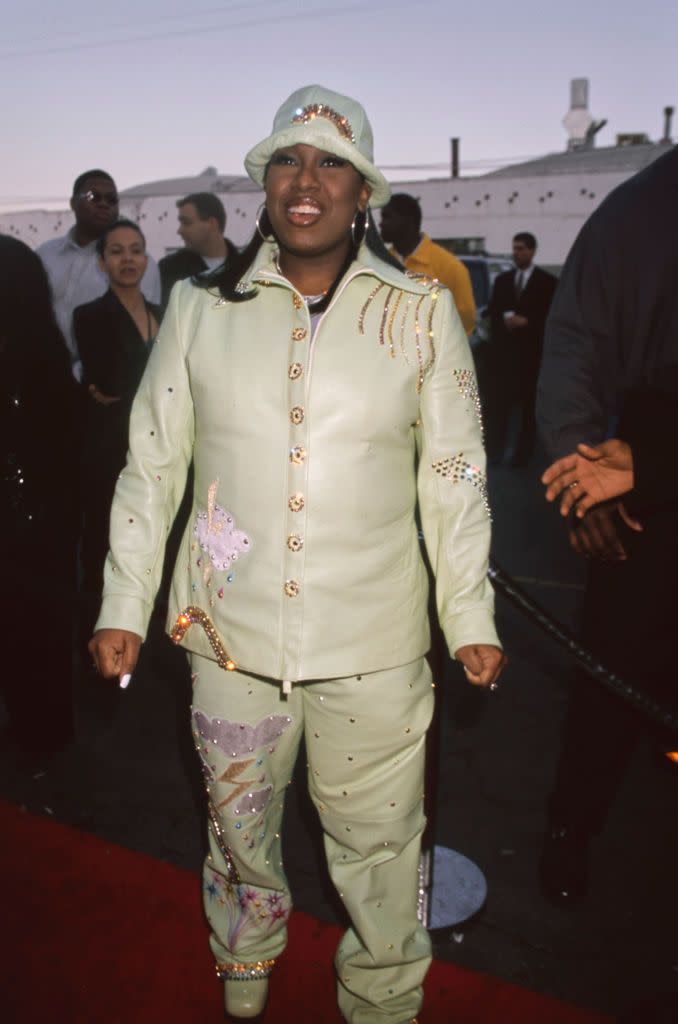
[218,535]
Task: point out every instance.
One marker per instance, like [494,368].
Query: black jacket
[182,264]
[114,356]
[613,326]
[649,423]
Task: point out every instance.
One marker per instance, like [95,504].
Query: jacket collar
[264,268]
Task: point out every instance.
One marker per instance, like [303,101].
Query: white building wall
[553,207]
[156,215]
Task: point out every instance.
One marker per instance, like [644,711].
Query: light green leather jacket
[301,559]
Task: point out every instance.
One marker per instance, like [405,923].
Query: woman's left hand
[483,663]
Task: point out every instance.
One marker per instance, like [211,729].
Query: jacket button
[292,588]
[297,415]
[296,502]
[298,454]
[299,333]
[294,542]
[295,371]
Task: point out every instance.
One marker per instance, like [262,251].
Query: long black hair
[226,277]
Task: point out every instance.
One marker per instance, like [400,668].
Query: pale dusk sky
[147,91]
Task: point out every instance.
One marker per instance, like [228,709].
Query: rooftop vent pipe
[454,158]
[668,118]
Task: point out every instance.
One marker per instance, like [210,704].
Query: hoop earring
[257,221]
[355,226]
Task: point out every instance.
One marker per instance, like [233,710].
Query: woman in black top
[114,336]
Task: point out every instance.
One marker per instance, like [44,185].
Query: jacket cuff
[120,611]
[472,627]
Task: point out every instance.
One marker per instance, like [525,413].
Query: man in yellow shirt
[401,229]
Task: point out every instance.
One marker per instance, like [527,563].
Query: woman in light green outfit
[303,379]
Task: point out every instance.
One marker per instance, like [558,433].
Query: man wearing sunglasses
[71,260]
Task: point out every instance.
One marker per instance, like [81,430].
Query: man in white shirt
[71,260]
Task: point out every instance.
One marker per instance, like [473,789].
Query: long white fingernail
[125,681]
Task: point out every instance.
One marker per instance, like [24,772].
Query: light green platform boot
[245,999]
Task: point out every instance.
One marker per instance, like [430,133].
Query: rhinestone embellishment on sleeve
[458,470]
[468,389]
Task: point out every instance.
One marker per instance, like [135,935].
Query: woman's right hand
[115,652]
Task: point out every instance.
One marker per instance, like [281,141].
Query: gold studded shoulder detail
[403,321]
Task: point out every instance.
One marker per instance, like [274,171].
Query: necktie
[519,284]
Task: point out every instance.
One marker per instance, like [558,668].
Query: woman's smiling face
[311,198]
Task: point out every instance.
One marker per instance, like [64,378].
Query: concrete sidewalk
[132,777]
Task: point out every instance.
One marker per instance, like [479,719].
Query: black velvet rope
[509,589]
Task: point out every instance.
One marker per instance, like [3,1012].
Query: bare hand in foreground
[115,652]
[482,663]
[597,534]
[590,476]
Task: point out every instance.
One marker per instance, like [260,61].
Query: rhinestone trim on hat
[189,617]
[309,113]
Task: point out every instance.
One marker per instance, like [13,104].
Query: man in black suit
[202,220]
[518,309]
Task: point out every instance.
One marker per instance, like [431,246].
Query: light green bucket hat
[327,120]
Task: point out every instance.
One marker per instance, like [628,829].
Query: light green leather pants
[365,742]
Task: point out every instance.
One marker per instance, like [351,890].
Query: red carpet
[96,934]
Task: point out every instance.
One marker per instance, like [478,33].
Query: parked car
[483,270]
